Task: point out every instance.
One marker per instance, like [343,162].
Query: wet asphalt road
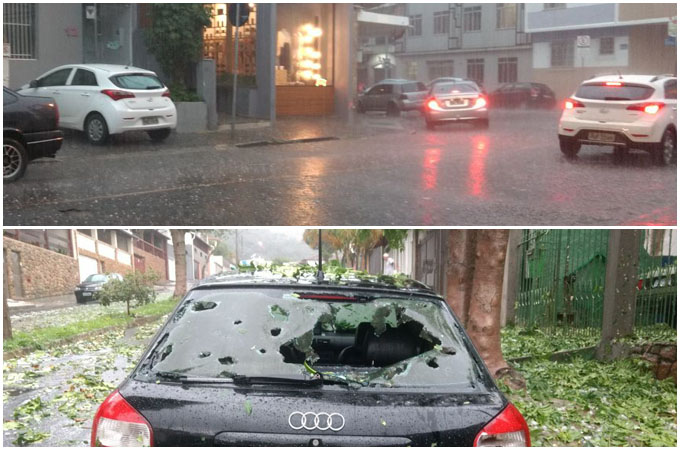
[384,171]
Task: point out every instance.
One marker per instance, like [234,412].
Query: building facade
[103,251]
[575,41]
[293,59]
[485,42]
[151,252]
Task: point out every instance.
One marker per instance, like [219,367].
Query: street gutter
[286,141]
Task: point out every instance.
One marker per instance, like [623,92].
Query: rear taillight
[649,108]
[613,84]
[117,424]
[56,112]
[480,102]
[570,103]
[166,93]
[115,94]
[433,104]
[508,429]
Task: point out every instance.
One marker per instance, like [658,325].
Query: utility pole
[6,321]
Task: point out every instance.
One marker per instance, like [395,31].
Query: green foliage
[179,93]
[40,338]
[175,36]
[135,286]
[517,342]
[589,403]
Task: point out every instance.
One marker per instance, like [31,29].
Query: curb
[18,353]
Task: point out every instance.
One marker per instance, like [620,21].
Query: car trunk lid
[608,102]
[273,415]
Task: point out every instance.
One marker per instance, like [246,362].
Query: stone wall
[107,265]
[43,273]
[663,356]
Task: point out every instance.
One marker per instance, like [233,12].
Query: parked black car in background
[87,290]
[29,131]
[253,361]
[523,95]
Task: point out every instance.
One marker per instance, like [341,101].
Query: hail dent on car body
[274,335]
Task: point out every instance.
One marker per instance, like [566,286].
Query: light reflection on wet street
[381,171]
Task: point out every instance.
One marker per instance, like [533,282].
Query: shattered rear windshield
[351,337]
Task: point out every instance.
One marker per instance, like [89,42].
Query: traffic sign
[243,13]
[583,41]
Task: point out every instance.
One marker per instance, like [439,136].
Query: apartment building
[575,41]
[485,42]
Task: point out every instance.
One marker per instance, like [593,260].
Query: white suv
[106,99]
[624,111]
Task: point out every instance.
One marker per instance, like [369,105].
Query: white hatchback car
[624,111]
[105,99]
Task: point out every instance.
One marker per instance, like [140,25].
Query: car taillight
[508,429]
[649,108]
[117,424]
[613,83]
[480,102]
[570,103]
[432,104]
[115,94]
[166,93]
[56,112]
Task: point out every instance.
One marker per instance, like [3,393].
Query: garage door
[87,266]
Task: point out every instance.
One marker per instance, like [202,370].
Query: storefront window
[218,41]
[304,45]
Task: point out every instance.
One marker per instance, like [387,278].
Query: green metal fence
[562,279]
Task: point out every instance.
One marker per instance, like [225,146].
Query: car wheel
[15,160]
[360,108]
[393,110]
[666,151]
[159,135]
[96,130]
[482,123]
[569,147]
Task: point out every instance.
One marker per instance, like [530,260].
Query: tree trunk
[484,314]
[179,248]
[460,271]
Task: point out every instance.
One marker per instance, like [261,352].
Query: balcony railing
[149,248]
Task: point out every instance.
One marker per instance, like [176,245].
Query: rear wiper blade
[248,380]
[180,377]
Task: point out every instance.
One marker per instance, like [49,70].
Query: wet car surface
[246,362]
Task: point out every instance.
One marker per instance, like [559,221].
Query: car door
[372,95]
[52,85]
[78,96]
[383,97]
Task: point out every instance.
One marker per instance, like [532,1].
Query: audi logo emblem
[316,421]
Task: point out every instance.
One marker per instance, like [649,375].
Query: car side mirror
[33,84]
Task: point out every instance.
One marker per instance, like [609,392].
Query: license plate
[603,137]
[457,102]
[87,294]
[149,120]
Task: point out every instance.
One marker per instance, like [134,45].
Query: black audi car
[248,361]
[29,131]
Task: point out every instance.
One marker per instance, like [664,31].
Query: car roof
[110,68]
[383,283]
[396,81]
[642,79]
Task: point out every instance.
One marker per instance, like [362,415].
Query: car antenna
[319,272]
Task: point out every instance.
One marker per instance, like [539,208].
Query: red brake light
[432,104]
[115,94]
[570,103]
[117,424]
[480,102]
[508,429]
[613,83]
[166,93]
[649,108]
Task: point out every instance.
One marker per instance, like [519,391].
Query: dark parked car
[523,95]
[392,97]
[29,131]
[255,361]
[87,290]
